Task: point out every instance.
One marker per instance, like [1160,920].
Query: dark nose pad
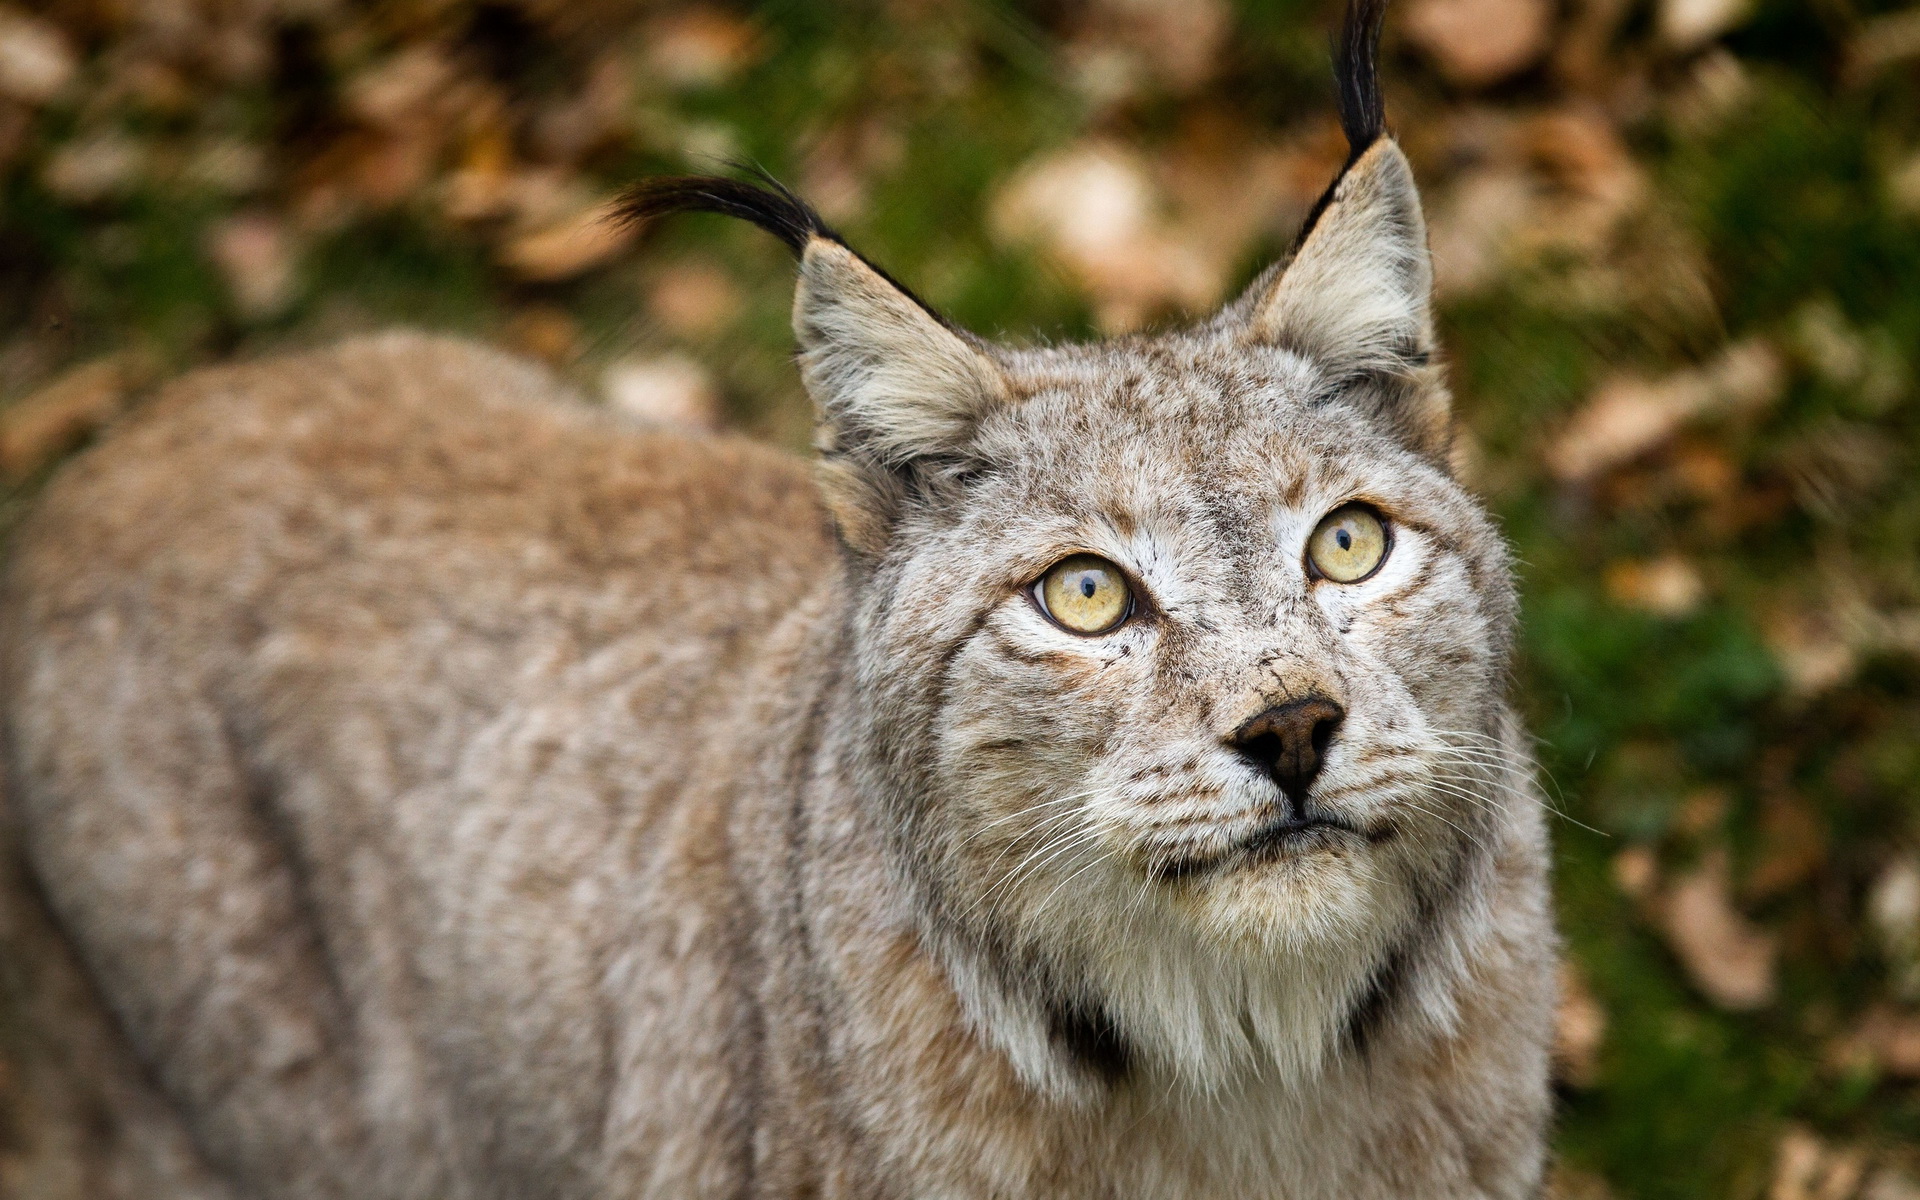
[1289,742]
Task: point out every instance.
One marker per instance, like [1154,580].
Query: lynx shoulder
[1092,776]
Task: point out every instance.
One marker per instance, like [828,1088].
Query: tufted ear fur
[896,389]
[894,386]
[1357,294]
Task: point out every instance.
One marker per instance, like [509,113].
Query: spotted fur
[429,786]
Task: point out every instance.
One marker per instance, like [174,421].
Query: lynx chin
[1092,776]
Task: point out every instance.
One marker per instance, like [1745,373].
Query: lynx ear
[898,391]
[892,381]
[893,385]
[1357,295]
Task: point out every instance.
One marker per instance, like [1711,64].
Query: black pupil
[1088,587]
[1344,538]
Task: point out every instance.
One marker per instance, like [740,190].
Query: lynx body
[437,788]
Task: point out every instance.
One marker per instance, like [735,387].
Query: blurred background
[1678,249]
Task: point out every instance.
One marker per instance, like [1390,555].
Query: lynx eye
[1349,544]
[1084,594]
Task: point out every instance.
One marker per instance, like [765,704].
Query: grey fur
[449,792]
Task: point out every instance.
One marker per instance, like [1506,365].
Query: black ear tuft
[1356,76]
[766,203]
[1356,70]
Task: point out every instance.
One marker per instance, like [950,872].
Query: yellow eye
[1349,544]
[1085,594]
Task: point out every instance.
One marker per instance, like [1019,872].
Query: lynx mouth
[1286,837]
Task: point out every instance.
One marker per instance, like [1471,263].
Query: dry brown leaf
[400,90]
[1893,906]
[669,390]
[1885,1039]
[1580,1029]
[841,164]
[699,47]
[1143,235]
[1728,958]
[1807,1168]
[1095,208]
[1890,1183]
[581,243]
[1478,42]
[546,331]
[1636,872]
[95,167]
[256,259]
[1811,651]
[1628,417]
[1120,44]
[1702,811]
[40,426]
[36,60]
[693,298]
[1883,41]
[1685,24]
[1476,225]
[1668,586]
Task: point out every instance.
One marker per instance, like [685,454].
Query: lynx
[1092,777]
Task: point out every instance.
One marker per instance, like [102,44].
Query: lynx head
[1179,659]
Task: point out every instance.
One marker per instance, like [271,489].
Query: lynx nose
[1289,742]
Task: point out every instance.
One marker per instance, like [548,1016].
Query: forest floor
[1678,253]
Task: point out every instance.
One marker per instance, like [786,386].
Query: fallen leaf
[1893,907]
[1867,365]
[229,166]
[699,47]
[545,331]
[1479,42]
[1702,811]
[95,167]
[573,246]
[693,298]
[1476,225]
[394,93]
[1811,651]
[1095,208]
[36,60]
[1885,1038]
[669,390]
[1628,417]
[1122,42]
[1636,872]
[595,117]
[1580,1029]
[1890,1183]
[1718,87]
[1686,24]
[1882,41]
[1668,586]
[256,259]
[841,163]
[1806,1168]
[36,428]
[1728,958]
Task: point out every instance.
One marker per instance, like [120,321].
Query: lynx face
[1131,768]
[1109,810]
[1178,661]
